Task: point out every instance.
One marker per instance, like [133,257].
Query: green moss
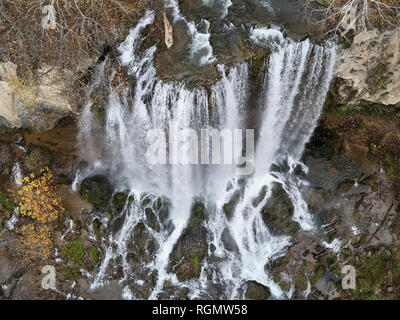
[96,190]
[318,274]
[66,273]
[73,252]
[96,228]
[374,110]
[196,265]
[198,215]
[119,200]
[392,167]
[372,273]
[363,240]
[6,202]
[94,254]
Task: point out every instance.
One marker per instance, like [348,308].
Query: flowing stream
[294,83]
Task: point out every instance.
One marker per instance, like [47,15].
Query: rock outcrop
[370,69]
[35,105]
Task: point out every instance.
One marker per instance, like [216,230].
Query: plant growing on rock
[36,241]
[38,199]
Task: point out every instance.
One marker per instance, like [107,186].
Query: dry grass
[83,29]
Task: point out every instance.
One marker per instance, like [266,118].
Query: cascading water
[296,80]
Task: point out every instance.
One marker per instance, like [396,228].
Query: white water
[296,81]
[220,5]
[200,50]
[17,174]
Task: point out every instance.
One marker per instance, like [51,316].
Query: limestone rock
[370,69]
[36,106]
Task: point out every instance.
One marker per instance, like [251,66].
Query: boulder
[36,106]
[96,190]
[278,211]
[256,291]
[191,248]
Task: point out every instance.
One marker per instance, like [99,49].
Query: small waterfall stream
[295,83]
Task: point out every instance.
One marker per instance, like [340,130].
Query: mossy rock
[36,159]
[373,272]
[229,207]
[199,213]
[96,228]
[73,252]
[119,200]
[94,254]
[96,190]
[278,212]
[66,273]
[192,247]
[256,291]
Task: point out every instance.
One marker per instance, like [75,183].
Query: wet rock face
[5,156]
[278,211]
[322,143]
[256,291]
[191,248]
[96,190]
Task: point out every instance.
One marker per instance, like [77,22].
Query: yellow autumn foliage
[38,198]
[36,241]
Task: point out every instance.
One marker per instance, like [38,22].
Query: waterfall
[295,83]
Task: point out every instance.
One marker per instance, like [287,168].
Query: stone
[278,211]
[96,190]
[256,291]
[36,159]
[370,69]
[34,106]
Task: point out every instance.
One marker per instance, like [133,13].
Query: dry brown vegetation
[83,28]
[354,16]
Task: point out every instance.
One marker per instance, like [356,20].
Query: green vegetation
[66,273]
[392,167]
[96,190]
[6,202]
[119,200]
[196,266]
[74,252]
[96,228]
[319,273]
[94,254]
[372,273]
[198,215]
